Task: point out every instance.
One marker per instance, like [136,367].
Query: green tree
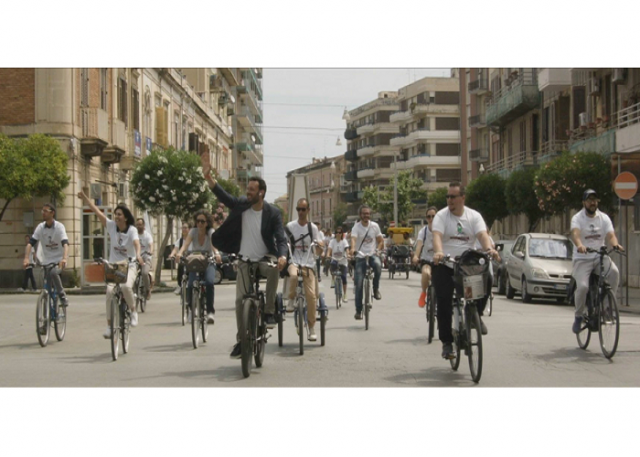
[559,184]
[169,182]
[438,197]
[32,167]
[521,197]
[339,215]
[372,198]
[219,211]
[409,189]
[485,194]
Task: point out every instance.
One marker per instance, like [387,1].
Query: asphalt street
[528,345]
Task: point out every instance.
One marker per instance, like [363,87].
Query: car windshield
[551,249]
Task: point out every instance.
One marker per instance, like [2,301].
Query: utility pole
[395,190]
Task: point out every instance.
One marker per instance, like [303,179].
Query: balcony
[366,128]
[352,197]
[426,160]
[114,152]
[400,165]
[351,175]
[479,155]
[477,121]
[351,155]
[514,100]
[628,133]
[351,134]
[247,119]
[553,79]
[250,76]
[95,131]
[604,143]
[517,161]
[232,75]
[401,116]
[398,140]
[433,135]
[479,87]
[366,151]
[366,173]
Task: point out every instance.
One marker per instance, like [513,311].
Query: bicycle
[430,307]
[602,310]
[183,291]
[367,289]
[49,310]
[139,290]
[337,282]
[120,316]
[198,305]
[470,271]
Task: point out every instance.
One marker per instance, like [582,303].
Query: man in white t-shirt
[338,252]
[591,228]
[366,237]
[455,229]
[300,242]
[55,248]
[146,252]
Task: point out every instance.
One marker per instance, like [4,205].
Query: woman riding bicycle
[199,239]
[338,252]
[125,245]
[424,251]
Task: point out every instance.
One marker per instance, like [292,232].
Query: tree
[340,214]
[371,198]
[169,182]
[521,197]
[32,167]
[409,189]
[485,194]
[438,197]
[559,184]
[220,212]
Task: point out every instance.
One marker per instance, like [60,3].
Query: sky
[284,90]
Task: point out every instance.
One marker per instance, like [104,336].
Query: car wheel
[509,291]
[501,283]
[526,296]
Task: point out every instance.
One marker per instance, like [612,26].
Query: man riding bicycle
[146,252]
[363,237]
[253,230]
[590,228]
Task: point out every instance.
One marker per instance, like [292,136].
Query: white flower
[159,172]
[152,199]
[199,169]
[180,178]
[165,187]
[188,181]
[175,199]
[146,176]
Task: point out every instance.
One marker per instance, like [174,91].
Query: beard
[589,211]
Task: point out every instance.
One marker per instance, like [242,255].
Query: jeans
[361,267]
[28,276]
[243,287]
[209,279]
[582,269]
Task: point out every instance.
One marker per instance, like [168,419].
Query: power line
[300,128]
[304,104]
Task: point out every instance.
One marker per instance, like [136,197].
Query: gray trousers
[54,279]
[243,286]
[582,269]
[145,269]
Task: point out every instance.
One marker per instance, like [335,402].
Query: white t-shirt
[478,245]
[195,243]
[458,233]
[369,243]
[427,243]
[252,245]
[339,250]
[50,239]
[301,255]
[145,242]
[593,231]
[122,247]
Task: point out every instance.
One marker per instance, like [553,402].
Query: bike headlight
[539,273]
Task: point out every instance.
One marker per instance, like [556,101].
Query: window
[104,86]
[136,109]
[84,80]
[122,100]
[176,122]
[523,136]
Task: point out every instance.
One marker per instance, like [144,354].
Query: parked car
[539,266]
[499,270]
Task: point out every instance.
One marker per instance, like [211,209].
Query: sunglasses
[301,209]
[201,221]
[430,217]
[453,196]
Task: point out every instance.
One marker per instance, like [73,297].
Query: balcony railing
[479,155]
[351,134]
[351,155]
[628,116]
[512,162]
[95,124]
[477,121]
[478,86]
[513,100]
[351,175]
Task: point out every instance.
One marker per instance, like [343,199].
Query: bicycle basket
[473,271]
[401,251]
[116,273]
[196,263]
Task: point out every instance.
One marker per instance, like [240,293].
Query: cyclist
[338,251]
[363,237]
[455,229]
[424,251]
[590,228]
[254,230]
[55,248]
[199,239]
[303,233]
[125,246]
[146,250]
[185,231]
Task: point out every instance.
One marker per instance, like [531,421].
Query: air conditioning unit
[584,119]
[594,86]
[123,190]
[619,75]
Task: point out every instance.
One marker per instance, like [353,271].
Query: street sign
[625,185]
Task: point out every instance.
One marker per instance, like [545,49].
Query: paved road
[527,346]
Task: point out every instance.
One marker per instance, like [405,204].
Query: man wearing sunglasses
[455,229]
[254,230]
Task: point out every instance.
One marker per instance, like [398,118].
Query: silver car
[539,266]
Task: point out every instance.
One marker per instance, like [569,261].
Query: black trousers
[180,274]
[28,276]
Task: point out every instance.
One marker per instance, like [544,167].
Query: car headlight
[539,273]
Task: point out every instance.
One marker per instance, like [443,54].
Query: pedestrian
[28,270]
[185,232]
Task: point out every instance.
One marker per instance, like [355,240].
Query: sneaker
[312,334]
[64,302]
[422,301]
[20,289]
[107,333]
[483,328]
[577,324]
[177,290]
[43,330]
[344,300]
[210,319]
[319,278]
[134,319]
[188,315]
[333,284]
[358,316]
[291,307]
[270,320]
[447,351]
[236,353]
[376,295]
[148,295]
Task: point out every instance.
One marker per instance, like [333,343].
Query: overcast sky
[288,148]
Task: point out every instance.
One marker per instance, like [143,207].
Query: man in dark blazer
[254,230]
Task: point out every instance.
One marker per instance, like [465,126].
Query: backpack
[292,242]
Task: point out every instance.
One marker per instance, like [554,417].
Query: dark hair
[457,184]
[127,214]
[51,207]
[261,184]
[207,216]
[431,208]
[140,219]
[364,206]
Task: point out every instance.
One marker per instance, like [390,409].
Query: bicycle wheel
[323,324]
[261,333]
[338,286]
[60,322]
[474,342]
[125,329]
[407,272]
[367,302]
[204,325]
[43,327]
[195,318]
[280,318]
[183,303]
[246,338]
[431,313]
[457,342]
[300,322]
[115,326]
[609,324]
